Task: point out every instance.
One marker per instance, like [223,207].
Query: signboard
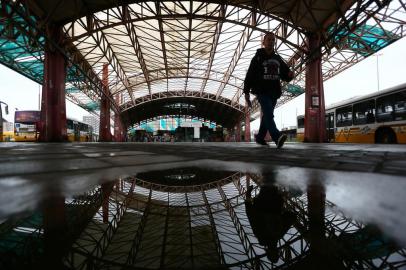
[315,101]
[27,117]
[191,124]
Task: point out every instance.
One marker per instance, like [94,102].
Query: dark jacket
[265,73]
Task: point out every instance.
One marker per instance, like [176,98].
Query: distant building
[8,131]
[8,126]
[93,121]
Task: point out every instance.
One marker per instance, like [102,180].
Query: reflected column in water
[107,188]
[54,219]
[322,253]
[316,200]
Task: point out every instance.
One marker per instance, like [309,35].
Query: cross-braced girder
[193,104]
[27,37]
[177,36]
[186,40]
[232,34]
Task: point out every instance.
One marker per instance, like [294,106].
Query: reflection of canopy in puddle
[158,226]
[135,223]
[200,226]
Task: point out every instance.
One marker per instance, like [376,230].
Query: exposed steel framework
[193,48]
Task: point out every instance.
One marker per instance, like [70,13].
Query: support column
[118,124]
[107,188]
[53,107]
[247,134]
[238,132]
[55,231]
[316,203]
[323,255]
[105,134]
[315,126]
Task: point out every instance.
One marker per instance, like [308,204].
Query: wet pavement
[202,205]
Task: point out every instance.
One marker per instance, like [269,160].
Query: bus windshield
[26,125]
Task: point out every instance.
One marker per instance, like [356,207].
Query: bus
[78,131]
[290,132]
[26,128]
[2,121]
[379,117]
[300,128]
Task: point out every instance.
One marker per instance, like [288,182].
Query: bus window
[69,124]
[300,122]
[400,106]
[385,108]
[330,120]
[25,125]
[364,112]
[83,127]
[330,126]
[344,116]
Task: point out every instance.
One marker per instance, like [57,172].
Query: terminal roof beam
[179,39]
[245,37]
[107,55]
[213,50]
[137,49]
[161,33]
[189,39]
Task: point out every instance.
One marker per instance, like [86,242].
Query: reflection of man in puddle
[268,218]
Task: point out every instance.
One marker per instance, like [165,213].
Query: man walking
[266,70]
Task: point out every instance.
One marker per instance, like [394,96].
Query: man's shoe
[261,142]
[281,141]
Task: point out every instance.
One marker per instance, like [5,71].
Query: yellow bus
[26,128]
[300,128]
[378,117]
[78,131]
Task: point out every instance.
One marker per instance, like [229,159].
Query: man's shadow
[269,218]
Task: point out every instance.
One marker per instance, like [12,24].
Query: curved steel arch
[289,19]
[251,19]
[247,20]
[104,26]
[217,73]
[205,108]
[189,93]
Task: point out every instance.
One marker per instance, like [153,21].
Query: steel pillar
[53,107]
[107,188]
[238,132]
[105,134]
[315,126]
[118,124]
[247,135]
[54,224]
[323,256]
[316,201]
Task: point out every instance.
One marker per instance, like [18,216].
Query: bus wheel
[385,135]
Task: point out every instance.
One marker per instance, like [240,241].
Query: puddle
[197,217]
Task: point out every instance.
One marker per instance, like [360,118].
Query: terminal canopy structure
[161,53]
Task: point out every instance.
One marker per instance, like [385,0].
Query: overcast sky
[19,92]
